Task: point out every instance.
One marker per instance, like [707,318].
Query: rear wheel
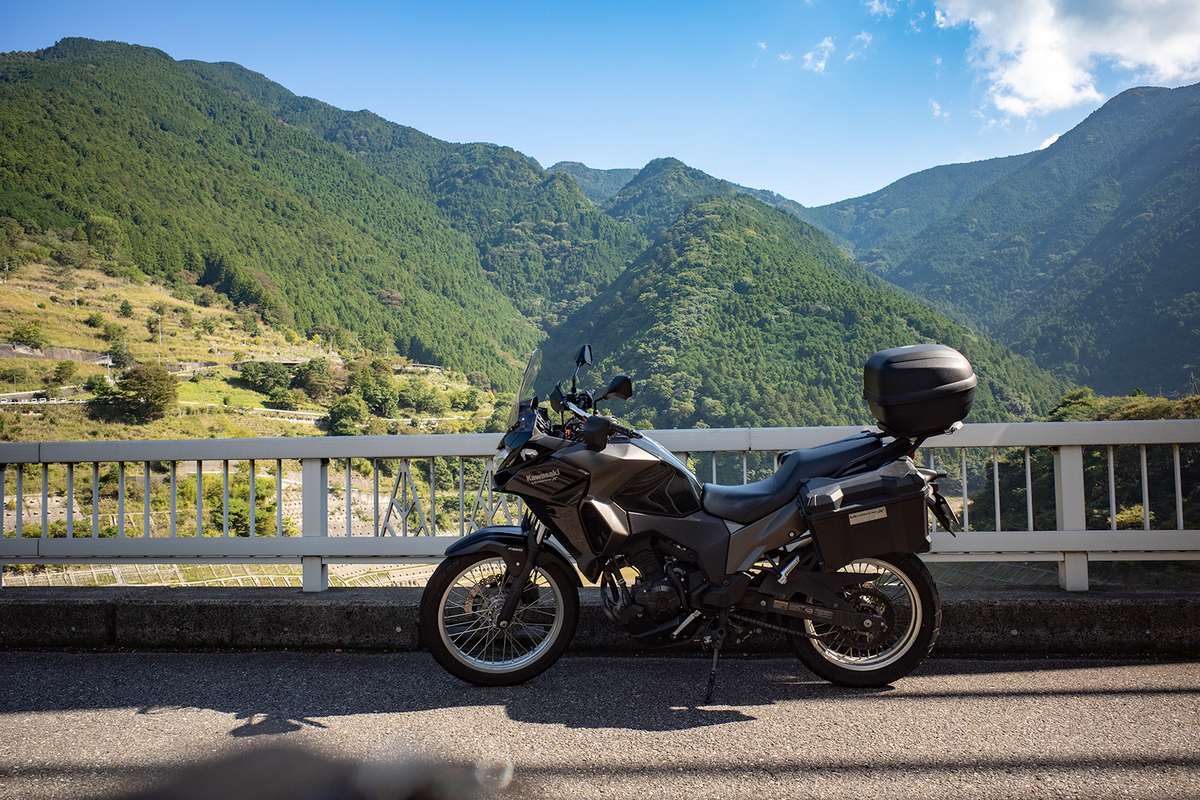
[896,587]
[459,611]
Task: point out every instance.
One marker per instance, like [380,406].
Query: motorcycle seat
[752,501]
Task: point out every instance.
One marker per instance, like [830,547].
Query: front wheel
[896,587]
[459,611]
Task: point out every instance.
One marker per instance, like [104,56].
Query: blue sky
[819,100]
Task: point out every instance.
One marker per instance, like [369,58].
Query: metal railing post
[1071,512]
[314,485]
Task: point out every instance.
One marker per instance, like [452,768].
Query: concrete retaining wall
[1029,621]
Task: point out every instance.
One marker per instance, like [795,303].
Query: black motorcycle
[822,550]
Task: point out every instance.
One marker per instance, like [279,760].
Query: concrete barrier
[1027,621]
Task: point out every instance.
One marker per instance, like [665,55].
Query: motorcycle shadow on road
[276,693]
[657,694]
[271,693]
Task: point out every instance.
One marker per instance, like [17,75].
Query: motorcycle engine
[659,597]
[654,605]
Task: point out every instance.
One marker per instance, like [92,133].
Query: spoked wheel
[459,619]
[898,588]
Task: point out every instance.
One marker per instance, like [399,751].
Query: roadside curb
[1028,621]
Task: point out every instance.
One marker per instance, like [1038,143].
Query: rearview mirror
[620,388]
[584,356]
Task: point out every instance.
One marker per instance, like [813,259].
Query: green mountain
[874,226]
[660,192]
[663,189]
[597,184]
[188,182]
[540,240]
[1080,256]
[327,221]
[742,315]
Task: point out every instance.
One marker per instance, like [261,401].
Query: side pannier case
[866,515]
[919,390]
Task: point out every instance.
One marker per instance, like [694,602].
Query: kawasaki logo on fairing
[542,477]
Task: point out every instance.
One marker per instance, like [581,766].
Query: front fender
[508,542]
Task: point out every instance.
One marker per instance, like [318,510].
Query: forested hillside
[1081,256]
[182,181]
[873,227]
[371,235]
[601,184]
[540,241]
[742,315]
[597,184]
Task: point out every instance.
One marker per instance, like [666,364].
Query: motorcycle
[823,550]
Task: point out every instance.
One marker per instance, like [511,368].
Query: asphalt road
[105,724]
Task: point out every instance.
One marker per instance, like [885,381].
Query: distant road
[614,727]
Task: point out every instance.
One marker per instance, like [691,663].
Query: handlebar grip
[621,429]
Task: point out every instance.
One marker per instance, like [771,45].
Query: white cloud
[815,59]
[785,56]
[936,108]
[858,44]
[915,22]
[1040,56]
[879,8]
[1048,142]
[762,45]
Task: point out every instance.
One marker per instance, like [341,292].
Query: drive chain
[758,623]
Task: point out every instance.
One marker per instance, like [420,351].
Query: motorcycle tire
[900,589]
[458,619]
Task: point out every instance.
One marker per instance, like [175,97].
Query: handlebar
[615,426]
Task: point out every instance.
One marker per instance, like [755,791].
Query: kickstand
[712,676]
[718,640]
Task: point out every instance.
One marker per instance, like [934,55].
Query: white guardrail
[107,502]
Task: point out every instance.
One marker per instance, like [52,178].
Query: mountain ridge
[1072,249]
[464,254]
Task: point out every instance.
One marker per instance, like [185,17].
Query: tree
[144,392]
[120,355]
[466,400]
[63,372]
[29,334]
[346,415]
[314,378]
[112,332]
[126,309]
[265,376]
[14,375]
[105,233]
[378,391]
[283,399]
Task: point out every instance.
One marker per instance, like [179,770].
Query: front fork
[534,534]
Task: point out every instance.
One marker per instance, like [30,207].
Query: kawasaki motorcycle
[822,550]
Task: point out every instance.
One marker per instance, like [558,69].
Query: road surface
[103,724]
